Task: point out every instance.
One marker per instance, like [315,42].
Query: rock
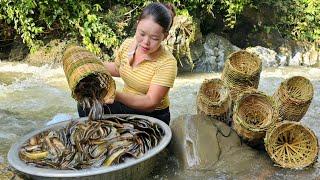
[283,60]
[206,148]
[296,59]
[310,58]
[216,51]
[297,53]
[284,54]
[267,56]
[201,143]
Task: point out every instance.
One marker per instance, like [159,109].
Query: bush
[33,20]
[104,24]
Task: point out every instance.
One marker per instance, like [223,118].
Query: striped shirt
[160,69]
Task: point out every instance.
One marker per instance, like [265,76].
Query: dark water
[32,96]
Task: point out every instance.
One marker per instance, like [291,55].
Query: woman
[146,67]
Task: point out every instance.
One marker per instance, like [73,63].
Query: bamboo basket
[294,97]
[78,64]
[254,113]
[214,100]
[241,72]
[291,145]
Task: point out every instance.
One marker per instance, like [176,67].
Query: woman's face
[149,35]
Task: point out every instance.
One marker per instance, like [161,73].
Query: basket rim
[111,88]
[291,124]
[258,60]
[284,86]
[205,99]
[253,92]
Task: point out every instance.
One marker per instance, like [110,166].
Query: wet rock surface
[200,142]
[216,50]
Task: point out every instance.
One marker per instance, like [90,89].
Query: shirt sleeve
[166,73]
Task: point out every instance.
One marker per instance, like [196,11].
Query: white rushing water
[31,96]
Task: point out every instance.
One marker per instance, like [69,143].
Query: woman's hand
[108,100]
[146,102]
[112,69]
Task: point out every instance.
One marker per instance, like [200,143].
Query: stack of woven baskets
[260,119]
[289,143]
[241,72]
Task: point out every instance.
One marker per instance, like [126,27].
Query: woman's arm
[112,69]
[146,102]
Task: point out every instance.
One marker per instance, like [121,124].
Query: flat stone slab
[202,143]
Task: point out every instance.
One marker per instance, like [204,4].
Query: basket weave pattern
[258,118]
[213,99]
[254,113]
[79,63]
[241,72]
[294,97]
[291,145]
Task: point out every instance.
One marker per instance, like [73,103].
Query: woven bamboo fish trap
[291,145]
[214,100]
[241,72]
[80,64]
[294,97]
[254,113]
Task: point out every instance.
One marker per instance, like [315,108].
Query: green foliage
[296,19]
[193,5]
[80,19]
[233,9]
[19,14]
[104,24]
[300,19]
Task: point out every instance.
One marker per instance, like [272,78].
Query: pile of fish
[92,143]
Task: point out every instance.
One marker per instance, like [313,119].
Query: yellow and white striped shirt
[160,69]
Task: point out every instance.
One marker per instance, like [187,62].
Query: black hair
[162,14]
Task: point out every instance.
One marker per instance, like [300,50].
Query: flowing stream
[31,96]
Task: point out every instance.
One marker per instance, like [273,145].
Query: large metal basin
[135,169]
